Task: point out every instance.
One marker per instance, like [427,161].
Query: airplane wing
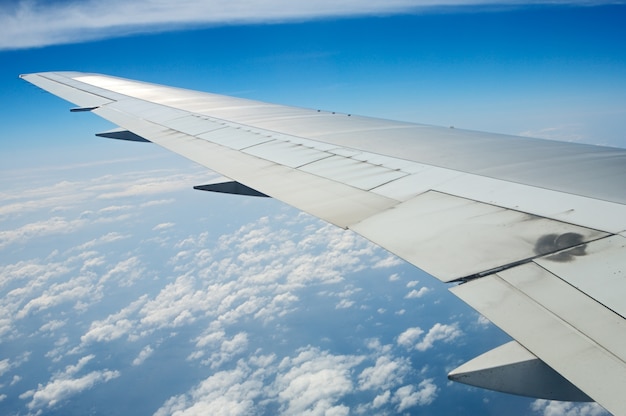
[531,233]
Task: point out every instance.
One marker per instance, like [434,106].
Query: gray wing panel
[61,87]
[332,201]
[456,238]
[585,170]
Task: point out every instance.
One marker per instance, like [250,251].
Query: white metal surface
[389,162]
[286,153]
[578,169]
[234,138]
[74,95]
[452,238]
[148,110]
[597,268]
[538,201]
[190,124]
[568,330]
[332,201]
[352,172]
[428,178]
[324,147]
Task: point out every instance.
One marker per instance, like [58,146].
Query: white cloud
[16,379]
[163,226]
[143,186]
[114,326]
[389,261]
[54,225]
[344,304]
[63,385]
[69,195]
[569,132]
[178,303]
[105,239]
[416,294]
[36,23]
[272,264]
[114,209]
[314,381]
[62,388]
[4,366]
[157,202]
[410,336]
[230,392]
[385,374]
[375,345]
[53,196]
[211,284]
[35,286]
[143,355]
[127,271]
[381,399]
[33,270]
[277,307]
[554,408]
[407,397]
[310,383]
[226,285]
[73,290]
[225,349]
[482,321]
[52,325]
[438,332]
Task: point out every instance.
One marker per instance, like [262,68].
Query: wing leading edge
[533,230]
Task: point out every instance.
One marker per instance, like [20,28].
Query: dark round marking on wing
[551,243]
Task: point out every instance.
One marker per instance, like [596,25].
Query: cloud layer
[226,289]
[36,23]
[275,313]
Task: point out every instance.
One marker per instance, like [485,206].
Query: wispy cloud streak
[36,23]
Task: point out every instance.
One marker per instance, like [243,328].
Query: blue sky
[116,237]
[554,71]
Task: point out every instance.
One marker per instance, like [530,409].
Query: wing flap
[597,269]
[568,330]
[454,238]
